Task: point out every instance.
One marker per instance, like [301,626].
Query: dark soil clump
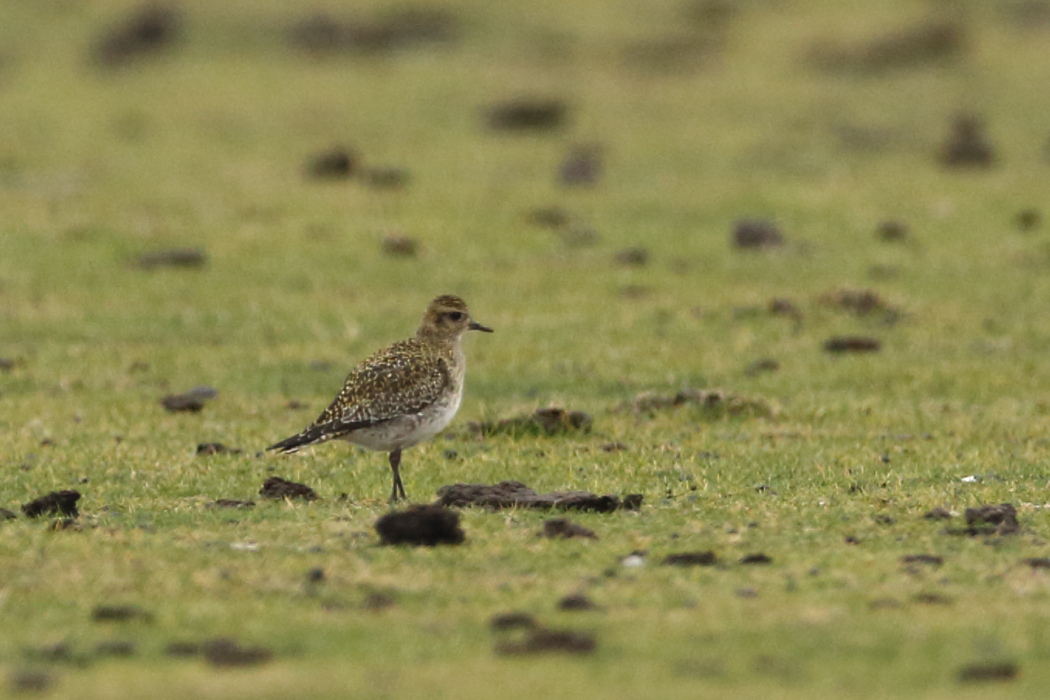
[1028,220]
[540,640]
[1037,562]
[707,558]
[582,165]
[576,602]
[54,503]
[981,672]
[176,257]
[544,421]
[228,653]
[6,514]
[182,403]
[756,234]
[398,245]
[560,528]
[514,494]
[852,343]
[528,114]
[756,558]
[276,487]
[918,45]
[967,145]
[397,30]
[892,231]
[336,163]
[859,302]
[713,401]
[421,525]
[145,31]
[122,648]
[513,621]
[231,503]
[215,448]
[991,520]
[120,613]
[930,559]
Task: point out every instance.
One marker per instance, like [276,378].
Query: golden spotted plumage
[401,395]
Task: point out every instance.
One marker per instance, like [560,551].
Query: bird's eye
[456,315]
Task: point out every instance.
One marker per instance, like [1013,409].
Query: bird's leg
[395,465]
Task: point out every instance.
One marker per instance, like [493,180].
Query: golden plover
[402,395]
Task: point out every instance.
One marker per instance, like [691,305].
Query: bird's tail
[307,437]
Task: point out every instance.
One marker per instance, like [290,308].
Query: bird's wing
[399,380]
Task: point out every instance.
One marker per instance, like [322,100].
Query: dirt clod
[421,525]
[1028,220]
[54,503]
[633,257]
[541,640]
[185,258]
[924,43]
[276,487]
[1037,562]
[991,520]
[930,559]
[398,29]
[6,514]
[859,302]
[335,163]
[228,653]
[560,528]
[582,166]
[576,602]
[30,681]
[967,145]
[215,448]
[852,343]
[981,672]
[398,245]
[756,558]
[714,403]
[115,647]
[756,234]
[891,230]
[182,403]
[120,613]
[512,621]
[528,114]
[544,421]
[706,558]
[514,494]
[147,30]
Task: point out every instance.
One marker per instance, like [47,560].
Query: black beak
[475,326]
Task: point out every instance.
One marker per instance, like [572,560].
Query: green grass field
[709,112]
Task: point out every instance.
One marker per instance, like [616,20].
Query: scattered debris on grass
[398,245]
[54,503]
[276,487]
[230,503]
[967,145]
[215,448]
[582,165]
[707,558]
[576,602]
[714,402]
[938,513]
[191,401]
[560,528]
[544,421]
[228,653]
[528,114]
[982,672]
[120,613]
[334,163]
[421,525]
[892,231]
[514,494]
[6,514]
[990,520]
[148,29]
[1037,562]
[512,621]
[539,640]
[756,558]
[756,234]
[852,343]
[934,41]
[175,257]
[930,559]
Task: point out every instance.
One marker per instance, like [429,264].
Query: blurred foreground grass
[704,122]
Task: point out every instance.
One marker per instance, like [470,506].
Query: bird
[403,394]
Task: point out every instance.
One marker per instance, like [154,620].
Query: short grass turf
[709,112]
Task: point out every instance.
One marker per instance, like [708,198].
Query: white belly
[408,430]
